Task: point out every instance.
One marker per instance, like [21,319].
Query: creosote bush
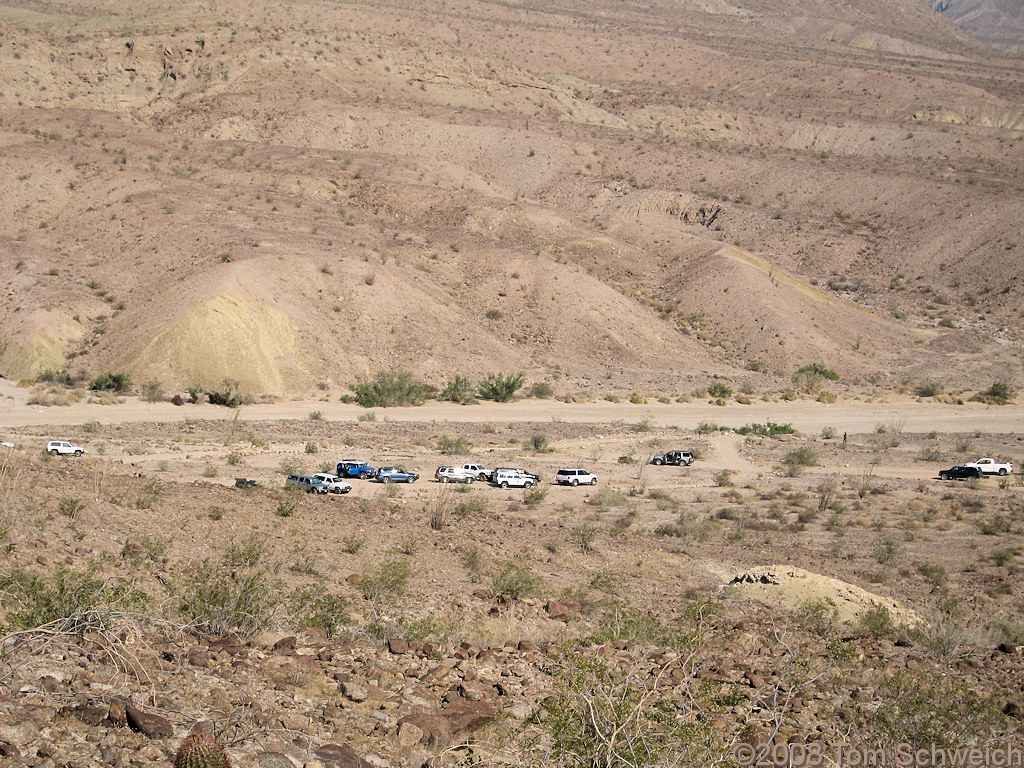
[500,387]
[516,581]
[392,388]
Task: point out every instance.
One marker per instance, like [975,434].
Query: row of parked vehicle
[502,477]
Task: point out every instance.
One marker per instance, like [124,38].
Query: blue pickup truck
[353,468]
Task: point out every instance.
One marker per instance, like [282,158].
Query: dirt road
[807,416]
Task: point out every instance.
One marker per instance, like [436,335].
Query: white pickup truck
[989,466]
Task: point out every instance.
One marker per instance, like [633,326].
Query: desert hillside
[1000,23]
[598,196]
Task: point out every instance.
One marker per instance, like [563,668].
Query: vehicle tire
[79,453]
[658,462]
[1002,471]
[363,475]
[504,484]
[385,479]
[528,484]
[469,481]
[575,482]
[54,452]
[943,476]
[593,481]
[444,479]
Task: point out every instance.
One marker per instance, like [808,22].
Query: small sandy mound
[789,587]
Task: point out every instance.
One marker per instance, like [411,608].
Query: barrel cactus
[200,751]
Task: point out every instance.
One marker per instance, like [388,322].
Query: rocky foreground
[129,694]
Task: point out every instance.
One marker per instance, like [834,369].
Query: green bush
[228,395]
[515,581]
[77,599]
[392,388]
[602,715]
[538,442]
[458,390]
[768,429]
[719,390]
[928,389]
[799,458]
[1000,393]
[222,599]
[312,607]
[541,390]
[115,382]
[453,445]
[817,369]
[500,387]
[152,391]
[388,581]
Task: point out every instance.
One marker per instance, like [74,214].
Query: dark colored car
[960,473]
[242,482]
[396,475]
[353,468]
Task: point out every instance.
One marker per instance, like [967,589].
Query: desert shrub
[995,525]
[1000,393]
[152,391]
[458,390]
[947,638]
[388,581]
[583,536]
[78,599]
[931,453]
[221,599]
[115,382]
[516,581]
[926,711]
[828,433]
[604,715]
[391,388]
[723,478]
[312,447]
[288,504]
[494,314]
[228,395]
[500,387]
[535,495]
[928,389]
[877,621]
[933,574]
[453,444]
[885,551]
[352,544]
[818,616]
[538,442]
[768,429]
[799,458]
[315,415]
[312,607]
[541,390]
[719,390]
[249,552]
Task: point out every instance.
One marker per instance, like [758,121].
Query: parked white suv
[64,448]
[514,478]
[332,483]
[454,475]
[575,477]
